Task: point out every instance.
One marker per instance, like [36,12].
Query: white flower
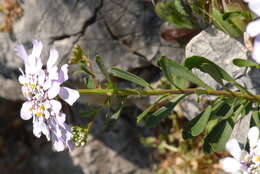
[253,28]
[40,86]
[243,161]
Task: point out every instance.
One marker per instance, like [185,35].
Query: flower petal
[230,165]
[22,79]
[58,145]
[253,28]
[256,49]
[233,147]
[69,95]
[37,48]
[56,106]
[253,135]
[54,90]
[26,110]
[254,5]
[61,118]
[21,52]
[52,58]
[70,145]
[41,78]
[39,127]
[53,73]
[63,74]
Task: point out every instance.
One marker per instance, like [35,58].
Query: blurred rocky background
[126,34]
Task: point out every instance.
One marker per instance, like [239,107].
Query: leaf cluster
[231,17]
[216,121]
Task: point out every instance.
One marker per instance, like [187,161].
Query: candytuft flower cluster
[40,86]
[243,162]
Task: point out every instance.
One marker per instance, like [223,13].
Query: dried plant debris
[11,11]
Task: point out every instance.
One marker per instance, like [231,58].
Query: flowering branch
[128,92]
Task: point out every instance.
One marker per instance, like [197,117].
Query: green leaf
[213,72]
[155,118]
[256,118]
[198,61]
[174,13]
[220,108]
[89,83]
[244,63]
[85,70]
[170,67]
[104,71]
[111,119]
[237,15]
[197,125]
[130,77]
[232,14]
[217,138]
[146,111]
[217,18]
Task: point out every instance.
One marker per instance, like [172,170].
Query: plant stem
[127,92]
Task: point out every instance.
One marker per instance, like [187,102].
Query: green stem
[127,92]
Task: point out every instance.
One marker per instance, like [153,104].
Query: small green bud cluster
[80,135]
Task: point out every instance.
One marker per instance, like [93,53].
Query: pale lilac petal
[253,135]
[52,58]
[37,48]
[233,147]
[47,84]
[39,127]
[37,131]
[54,90]
[45,130]
[253,28]
[254,5]
[230,165]
[56,106]
[21,52]
[58,145]
[61,118]
[256,49]
[63,74]
[24,91]
[251,1]
[26,110]
[41,78]
[38,65]
[70,145]
[22,79]
[69,95]
[32,64]
[53,73]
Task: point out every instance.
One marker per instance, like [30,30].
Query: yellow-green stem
[127,92]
